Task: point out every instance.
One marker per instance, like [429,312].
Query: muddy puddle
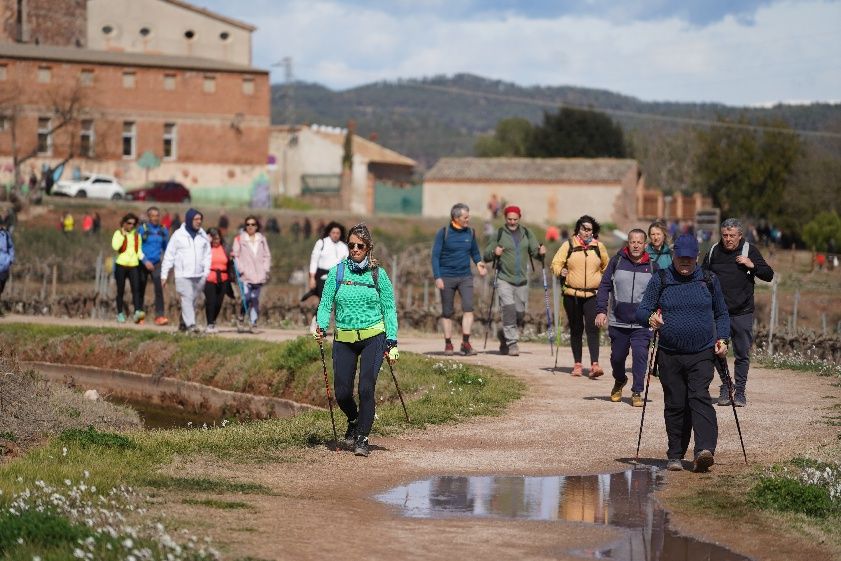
[157,416]
[623,500]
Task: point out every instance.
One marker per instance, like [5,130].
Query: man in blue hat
[686,306]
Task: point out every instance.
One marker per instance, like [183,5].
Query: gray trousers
[512,307]
[188,290]
[741,338]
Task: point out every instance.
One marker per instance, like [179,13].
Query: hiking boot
[674,465]
[350,433]
[121,318]
[739,400]
[448,349]
[161,320]
[636,399]
[513,350]
[577,370]
[139,316]
[703,461]
[361,446]
[595,371]
[723,396]
[503,344]
[616,392]
[467,349]
[211,328]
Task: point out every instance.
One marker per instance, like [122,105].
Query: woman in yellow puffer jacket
[129,247]
[580,262]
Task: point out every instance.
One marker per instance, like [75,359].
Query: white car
[91,185]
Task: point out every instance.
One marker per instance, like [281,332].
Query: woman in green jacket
[366,331]
[129,247]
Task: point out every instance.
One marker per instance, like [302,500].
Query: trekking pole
[491,304]
[558,331]
[329,397]
[549,324]
[241,286]
[726,370]
[652,362]
[399,393]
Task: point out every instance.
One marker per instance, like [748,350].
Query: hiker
[67,223]
[737,264]
[326,254]
[253,259]
[129,247]
[218,282]
[454,248]
[513,247]
[87,223]
[7,255]
[366,331]
[188,254]
[155,238]
[658,246]
[580,262]
[686,305]
[621,289]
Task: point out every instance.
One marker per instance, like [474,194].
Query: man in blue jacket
[7,255]
[686,305]
[623,284]
[155,237]
[454,248]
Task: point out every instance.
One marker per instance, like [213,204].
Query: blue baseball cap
[686,246]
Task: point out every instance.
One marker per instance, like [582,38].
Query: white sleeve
[316,253]
[169,256]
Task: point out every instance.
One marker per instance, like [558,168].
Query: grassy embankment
[435,391]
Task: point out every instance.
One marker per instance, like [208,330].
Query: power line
[622,112]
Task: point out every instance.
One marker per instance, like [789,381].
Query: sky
[753,52]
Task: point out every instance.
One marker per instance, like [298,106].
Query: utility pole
[289,117]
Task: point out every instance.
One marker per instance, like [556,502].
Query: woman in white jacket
[326,254]
[251,254]
[188,252]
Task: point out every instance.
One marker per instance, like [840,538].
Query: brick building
[140,106]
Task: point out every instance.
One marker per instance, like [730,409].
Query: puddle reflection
[624,500]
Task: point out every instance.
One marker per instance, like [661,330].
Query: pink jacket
[253,267]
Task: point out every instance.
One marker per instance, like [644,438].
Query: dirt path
[323,507]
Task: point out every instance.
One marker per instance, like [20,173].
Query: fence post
[772,323]
[823,323]
[395,277]
[794,313]
[55,282]
[425,294]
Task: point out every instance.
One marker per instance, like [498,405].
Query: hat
[686,246]
[512,208]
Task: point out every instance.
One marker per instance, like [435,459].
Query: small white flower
[64,451]
[87,474]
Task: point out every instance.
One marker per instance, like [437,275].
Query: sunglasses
[131,223]
[359,246]
[587,228]
[250,223]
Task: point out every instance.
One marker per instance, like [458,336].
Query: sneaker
[361,446]
[448,349]
[595,371]
[211,328]
[703,461]
[503,344]
[739,400]
[194,329]
[350,433]
[121,318]
[577,370]
[723,396]
[161,320]
[674,465]
[467,349]
[513,350]
[616,392]
[139,316]
[636,399]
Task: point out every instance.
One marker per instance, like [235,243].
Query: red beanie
[512,208]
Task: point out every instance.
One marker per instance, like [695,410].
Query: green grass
[215,503]
[204,485]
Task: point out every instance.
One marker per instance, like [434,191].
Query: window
[169,82]
[129,80]
[86,138]
[3,71]
[248,86]
[209,84]
[4,122]
[108,29]
[129,138]
[45,74]
[169,141]
[86,77]
[189,35]
[45,137]
[145,31]
[224,36]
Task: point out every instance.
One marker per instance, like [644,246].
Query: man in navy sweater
[686,305]
[454,248]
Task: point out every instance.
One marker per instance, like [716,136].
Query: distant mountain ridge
[443,115]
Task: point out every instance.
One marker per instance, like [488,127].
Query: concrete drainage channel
[166,402]
[623,500]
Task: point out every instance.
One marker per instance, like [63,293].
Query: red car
[161,191]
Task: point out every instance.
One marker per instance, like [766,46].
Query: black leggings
[214,294]
[122,272]
[345,357]
[581,314]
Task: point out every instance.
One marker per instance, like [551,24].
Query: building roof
[527,170]
[363,147]
[118,58]
[214,15]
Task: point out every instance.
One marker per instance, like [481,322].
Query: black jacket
[737,280]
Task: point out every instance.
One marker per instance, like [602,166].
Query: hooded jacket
[623,284]
[584,265]
[189,256]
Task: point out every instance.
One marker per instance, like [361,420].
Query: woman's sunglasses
[250,223]
[359,246]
